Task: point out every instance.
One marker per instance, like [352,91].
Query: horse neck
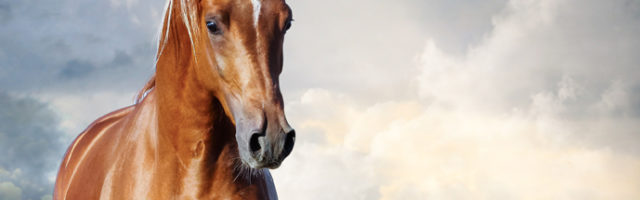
[189,115]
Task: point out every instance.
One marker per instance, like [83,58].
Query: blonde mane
[188,11]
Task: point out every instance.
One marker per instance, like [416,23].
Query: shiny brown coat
[194,131]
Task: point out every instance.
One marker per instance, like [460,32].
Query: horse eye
[287,26]
[213,28]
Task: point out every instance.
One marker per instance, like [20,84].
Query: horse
[210,122]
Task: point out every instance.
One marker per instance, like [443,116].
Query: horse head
[238,50]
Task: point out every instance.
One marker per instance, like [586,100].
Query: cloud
[76,68]
[78,110]
[545,54]
[84,59]
[122,58]
[9,191]
[73,38]
[77,50]
[5,12]
[543,107]
[449,154]
[366,48]
[32,148]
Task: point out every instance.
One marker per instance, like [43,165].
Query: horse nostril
[288,143]
[254,143]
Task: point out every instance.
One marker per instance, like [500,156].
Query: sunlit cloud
[527,113]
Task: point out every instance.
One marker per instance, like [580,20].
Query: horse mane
[188,17]
[146,89]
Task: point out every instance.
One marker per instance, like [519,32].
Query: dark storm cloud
[5,12]
[31,146]
[62,47]
[50,44]
[76,68]
[122,58]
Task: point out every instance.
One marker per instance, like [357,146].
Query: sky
[406,99]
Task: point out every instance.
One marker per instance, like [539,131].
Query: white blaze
[256,11]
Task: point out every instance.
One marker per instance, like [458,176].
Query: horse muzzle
[264,143]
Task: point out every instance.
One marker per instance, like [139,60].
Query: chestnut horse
[208,125]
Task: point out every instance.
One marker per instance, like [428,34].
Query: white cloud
[78,110]
[364,47]
[444,153]
[544,107]
[9,191]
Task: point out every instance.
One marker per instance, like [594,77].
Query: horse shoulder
[75,169]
